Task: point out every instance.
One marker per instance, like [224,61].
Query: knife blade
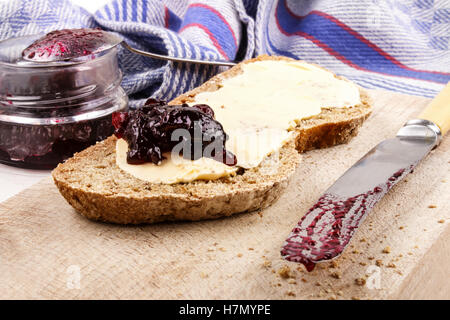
[327,228]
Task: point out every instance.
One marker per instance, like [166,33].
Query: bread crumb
[260,213]
[304,280]
[204,275]
[222,249]
[239,255]
[431,206]
[363,263]
[328,290]
[362,240]
[318,284]
[284,272]
[371,258]
[222,107]
[387,249]
[441,221]
[360,281]
[251,249]
[267,264]
[355,251]
[332,297]
[334,264]
[379,263]
[356,298]
[290,293]
[391,265]
[336,275]
[292,281]
[401,227]
[340,293]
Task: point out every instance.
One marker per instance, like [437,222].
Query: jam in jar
[49,111]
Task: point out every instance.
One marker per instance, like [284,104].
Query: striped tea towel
[400,45]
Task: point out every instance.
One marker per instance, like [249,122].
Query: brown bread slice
[97,188]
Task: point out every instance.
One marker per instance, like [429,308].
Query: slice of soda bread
[98,189]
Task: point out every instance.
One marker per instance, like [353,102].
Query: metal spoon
[95,41]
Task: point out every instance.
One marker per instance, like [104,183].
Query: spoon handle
[163,57]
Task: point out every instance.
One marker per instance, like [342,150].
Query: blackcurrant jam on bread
[269,108]
[149,131]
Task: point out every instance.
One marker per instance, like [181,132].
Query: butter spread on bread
[259,109]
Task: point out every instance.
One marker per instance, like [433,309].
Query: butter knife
[327,228]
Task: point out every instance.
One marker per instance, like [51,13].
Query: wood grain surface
[402,250]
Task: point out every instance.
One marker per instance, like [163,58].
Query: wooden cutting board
[47,250]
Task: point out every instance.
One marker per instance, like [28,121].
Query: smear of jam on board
[148,131]
[66,44]
[326,229]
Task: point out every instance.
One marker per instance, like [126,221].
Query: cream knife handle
[438,111]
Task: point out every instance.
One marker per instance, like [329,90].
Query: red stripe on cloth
[210,35]
[336,54]
[201,5]
[166,17]
[361,38]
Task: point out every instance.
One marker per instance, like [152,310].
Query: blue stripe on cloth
[275,49]
[125,10]
[173,22]
[182,66]
[192,73]
[215,24]
[166,91]
[424,4]
[134,7]
[368,82]
[116,10]
[343,44]
[144,11]
[385,84]
[108,12]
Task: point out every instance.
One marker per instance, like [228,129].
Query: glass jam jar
[50,111]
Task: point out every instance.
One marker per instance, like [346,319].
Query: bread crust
[98,189]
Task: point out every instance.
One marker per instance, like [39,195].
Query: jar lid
[56,92]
